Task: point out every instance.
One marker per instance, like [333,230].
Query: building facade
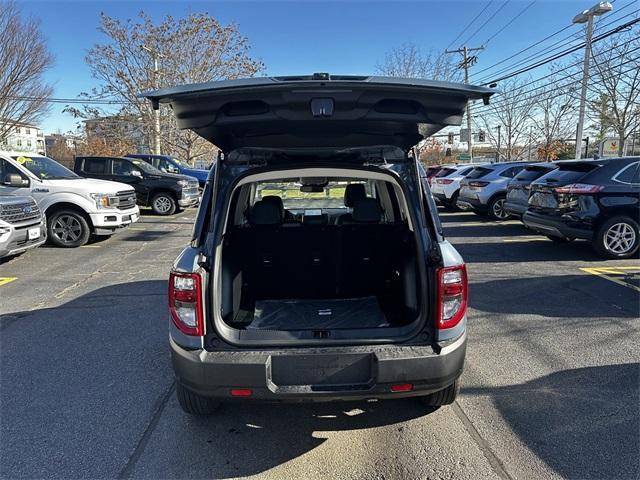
[24,138]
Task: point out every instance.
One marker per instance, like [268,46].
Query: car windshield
[44,167]
[180,163]
[329,196]
[145,167]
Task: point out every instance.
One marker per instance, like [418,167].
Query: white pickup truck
[75,207]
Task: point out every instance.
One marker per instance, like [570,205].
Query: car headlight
[104,200]
[183,183]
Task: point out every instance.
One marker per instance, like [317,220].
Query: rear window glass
[630,174]
[445,171]
[465,171]
[330,195]
[569,173]
[479,172]
[530,174]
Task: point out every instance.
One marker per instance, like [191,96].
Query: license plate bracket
[33,233]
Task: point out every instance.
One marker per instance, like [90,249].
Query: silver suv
[22,225]
[484,190]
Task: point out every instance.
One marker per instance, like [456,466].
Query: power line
[487,21]
[561,43]
[469,24]
[509,23]
[564,53]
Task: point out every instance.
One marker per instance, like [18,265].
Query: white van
[75,207]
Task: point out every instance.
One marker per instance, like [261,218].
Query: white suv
[75,207]
[446,184]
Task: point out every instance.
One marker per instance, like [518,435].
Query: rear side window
[95,165]
[511,172]
[479,172]
[529,174]
[445,172]
[629,174]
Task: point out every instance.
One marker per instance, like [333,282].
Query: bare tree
[408,60]
[193,49]
[24,59]
[553,115]
[512,111]
[616,74]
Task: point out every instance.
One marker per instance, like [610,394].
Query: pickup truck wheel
[67,228]
[195,404]
[442,397]
[618,237]
[496,209]
[163,204]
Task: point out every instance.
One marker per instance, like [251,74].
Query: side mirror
[14,180]
[136,173]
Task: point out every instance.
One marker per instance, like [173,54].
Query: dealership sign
[609,147]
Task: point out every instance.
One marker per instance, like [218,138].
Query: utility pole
[499,136]
[156,112]
[467,61]
[587,17]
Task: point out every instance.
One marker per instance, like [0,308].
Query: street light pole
[499,136]
[586,17]
[156,111]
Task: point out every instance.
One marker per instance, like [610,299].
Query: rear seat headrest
[276,200]
[354,192]
[265,213]
[367,210]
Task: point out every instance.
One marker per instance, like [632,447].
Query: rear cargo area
[308,277]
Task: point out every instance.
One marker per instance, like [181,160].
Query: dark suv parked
[597,200]
[163,192]
[518,189]
[166,163]
[317,268]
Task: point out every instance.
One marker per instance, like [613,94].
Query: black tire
[195,404]
[604,242]
[163,203]
[67,229]
[559,239]
[496,209]
[446,396]
[452,205]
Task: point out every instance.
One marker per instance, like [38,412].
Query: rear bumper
[515,209]
[320,374]
[556,226]
[469,203]
[441,197]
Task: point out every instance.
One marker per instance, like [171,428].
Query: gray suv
[22,225]
[484,190]
[317,269]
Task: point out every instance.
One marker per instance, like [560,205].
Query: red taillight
[444,181]
[241,392]
[402,387]
[478,184]
[453,294]
[185,302]
[578,189]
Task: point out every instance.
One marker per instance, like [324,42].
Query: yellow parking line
[607,272]
[5,280]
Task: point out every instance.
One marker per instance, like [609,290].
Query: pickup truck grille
[191,189]
[126,199]
[20,212]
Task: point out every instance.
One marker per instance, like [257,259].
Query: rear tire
[163,204]
[452,205]
[195,404]
[618,237]
[67,229]
[446,396]
[496,209]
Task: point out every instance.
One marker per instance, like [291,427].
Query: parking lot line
[90,246]
[480,224]
[620,275]
[525,239]
[5,280]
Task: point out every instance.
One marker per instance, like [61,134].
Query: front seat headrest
[276,200]
[265,213]
[367,210]
[354,192]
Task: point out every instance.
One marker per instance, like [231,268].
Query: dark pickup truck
[163,192]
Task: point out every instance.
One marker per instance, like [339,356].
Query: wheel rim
[67,229]
[498,209]
[620,238]
[162,204]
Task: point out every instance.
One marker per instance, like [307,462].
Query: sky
[302,37]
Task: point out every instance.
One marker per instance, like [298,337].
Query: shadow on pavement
[569,296]
[535,251]
[583,422]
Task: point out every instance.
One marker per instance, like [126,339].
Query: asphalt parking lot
[551,387]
